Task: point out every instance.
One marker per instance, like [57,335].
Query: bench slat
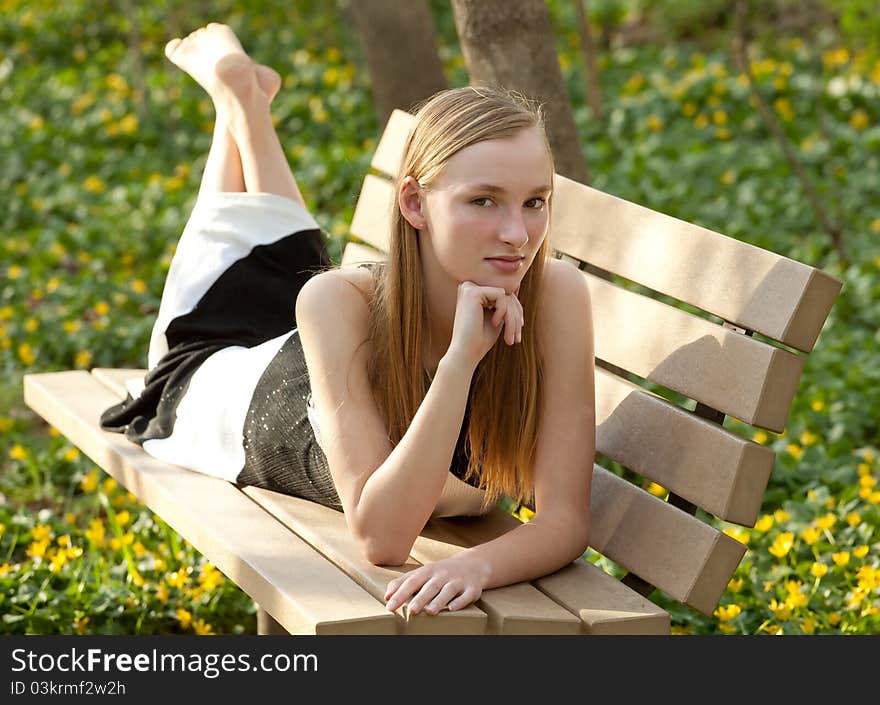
[513,609]
[741,283]
[696,459]
[604,604]
[327,531]
[294,583]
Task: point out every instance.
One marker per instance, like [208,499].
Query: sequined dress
[227,389]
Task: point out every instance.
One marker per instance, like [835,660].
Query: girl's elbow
[379,553]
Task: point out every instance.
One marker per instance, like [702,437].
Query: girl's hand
[480,314]
[453,583]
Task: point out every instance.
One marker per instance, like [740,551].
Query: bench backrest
[675,306]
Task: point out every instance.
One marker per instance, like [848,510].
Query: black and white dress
[227,390]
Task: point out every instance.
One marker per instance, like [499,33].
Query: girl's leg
[214,57]
[223,170]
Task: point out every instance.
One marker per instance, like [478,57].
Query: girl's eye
[540,203]
[477,201]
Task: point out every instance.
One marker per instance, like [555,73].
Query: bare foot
[200,51]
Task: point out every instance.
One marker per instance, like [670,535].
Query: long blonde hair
[505,395]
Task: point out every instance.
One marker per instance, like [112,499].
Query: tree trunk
[510,43]
[592,86]
[399,44]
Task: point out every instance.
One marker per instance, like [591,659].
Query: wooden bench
[296,559]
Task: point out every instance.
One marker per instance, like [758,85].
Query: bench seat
[296,559]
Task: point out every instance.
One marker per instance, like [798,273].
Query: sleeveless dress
[227,389]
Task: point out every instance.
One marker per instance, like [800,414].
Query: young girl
[383,391]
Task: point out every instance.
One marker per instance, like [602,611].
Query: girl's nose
[514,231]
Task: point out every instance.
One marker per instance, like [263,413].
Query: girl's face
[489,201]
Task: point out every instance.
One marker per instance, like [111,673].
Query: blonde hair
[505,394]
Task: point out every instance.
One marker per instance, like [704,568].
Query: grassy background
[104,142]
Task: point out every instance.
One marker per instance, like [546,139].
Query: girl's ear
[410,199]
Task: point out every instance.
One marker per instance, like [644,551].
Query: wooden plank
[520,608]
[701,461]
[733,373]
[295,584]
[679,553]
[389,151]
[371,221]
[355,254]
[327,532]
[746,285]
[603,604]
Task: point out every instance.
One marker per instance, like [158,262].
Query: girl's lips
[506,265]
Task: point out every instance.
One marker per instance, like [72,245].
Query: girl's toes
[171,46]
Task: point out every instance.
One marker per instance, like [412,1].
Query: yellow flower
[818,569]
[162,593]
[82,359]
[826,521]
[139,286]
[80,624]
[41,532]
[781,515]
[860,551]
[689,109]
[71,454]
[859,119]
[834,619]
[765,523]
[810,535]
[853,519]
[782,544]
[95,533]
[94,184]
[738,533]
[867,481]
[177,579]
[656,490]
[781,610]
[128,124]
[808,438]
[795,450]
[701,120]
[634,84]
[727,178]
[784,109]
[184,617]
[835,57]
[817,405]
[57,562]
[210,577]
[31,324]
[102,308]
[18,452]
[26,354]
[37,549]
[868,577]
[654,123]
[735,585]
[202,628]
[71,326]
[108,485]
[70,518]
[115,544]
[137,578]
[808,626]
[123,517]
[864,469]
[90,481]
[841,558]
[727,612]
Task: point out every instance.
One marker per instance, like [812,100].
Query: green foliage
[102,165]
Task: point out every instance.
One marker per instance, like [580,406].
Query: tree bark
[398,40]
[510,43]
[592,86]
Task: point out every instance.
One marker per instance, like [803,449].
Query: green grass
[101,181]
